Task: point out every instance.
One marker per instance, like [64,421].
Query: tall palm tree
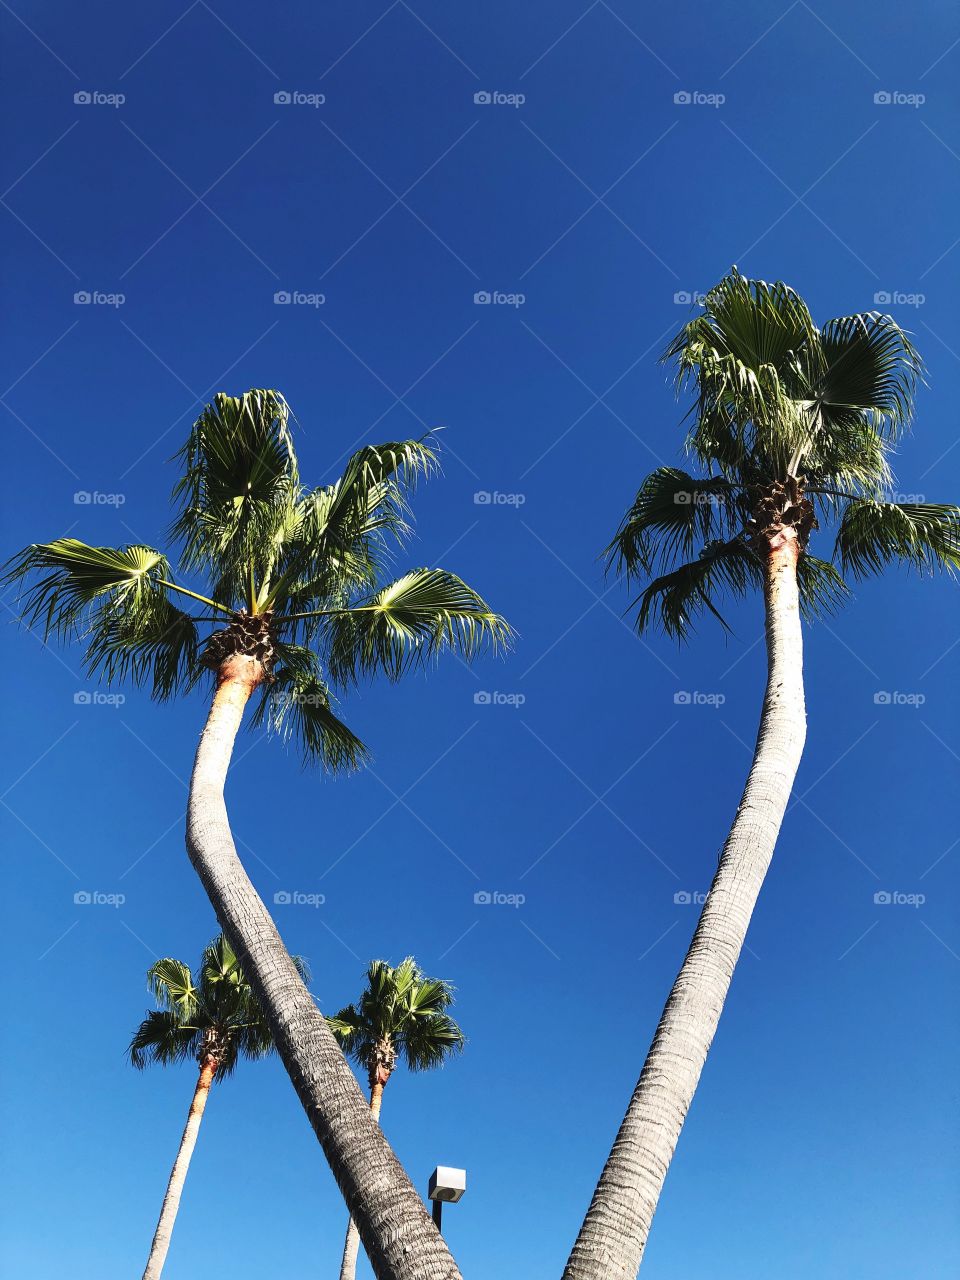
[216,1021]
[293,584]
[792,425]
[401,1014]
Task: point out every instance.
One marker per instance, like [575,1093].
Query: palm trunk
[178,1175]
[397,1233]
[351,1247]
[612,1239]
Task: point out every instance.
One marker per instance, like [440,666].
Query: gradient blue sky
[823,1140]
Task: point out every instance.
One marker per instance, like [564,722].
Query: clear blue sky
[823,1140]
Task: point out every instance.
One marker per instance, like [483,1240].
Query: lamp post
[446,1186]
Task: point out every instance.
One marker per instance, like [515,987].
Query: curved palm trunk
[351,1247]
[612,1239]
[178,1174]
[398,1235]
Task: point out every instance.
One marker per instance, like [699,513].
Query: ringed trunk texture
[397,1233]
[351,1247]
[614,1233]
[178,1174]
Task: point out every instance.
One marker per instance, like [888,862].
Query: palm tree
[215,1021]
[401,1014]
[292,582]
[792,425]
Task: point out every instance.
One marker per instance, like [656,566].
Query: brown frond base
[248,635]
[780,513]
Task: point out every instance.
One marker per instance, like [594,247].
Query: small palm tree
[402,1014]
[793,426]
[216,1021]
[293,586]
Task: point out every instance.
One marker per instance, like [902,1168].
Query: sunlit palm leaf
[675,600]
[875,534]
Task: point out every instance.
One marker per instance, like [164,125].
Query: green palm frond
[671,513]
[298,705]
[238,488]
[674,600]
[867,366]
[162,1038]
[407,623]
[923,535]
[821,586]
[171,984]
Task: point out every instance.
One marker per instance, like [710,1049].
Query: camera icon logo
[82,498]
[482,98]
[282,298]
[82,298]
[483,898]
[683,498]
[683,898]
[882,98]
[682,98]
[282,898]
[483,498]
[882,898]
[82,898]
[82,699]
[282,98]
[682,698]
[883,297]
[82,98]
[482,298]
[481,698]
[683,298]
[881,698]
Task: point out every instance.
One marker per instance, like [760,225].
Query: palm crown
[401,1014]
[217,1016]
[293,578]
[793,425]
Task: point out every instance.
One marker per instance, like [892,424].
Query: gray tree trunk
[397,1233]
[614,1233]
[351,1246]
[178,1174]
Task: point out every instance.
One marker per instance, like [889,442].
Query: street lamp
[445,1185]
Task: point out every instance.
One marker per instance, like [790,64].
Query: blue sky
[827,1111]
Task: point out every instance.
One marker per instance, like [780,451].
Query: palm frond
[868,366]
[672,512]
[875,534]
[297,704]
[162,1038]
[674,600]
[821,586]
[239,485]
[408,622]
